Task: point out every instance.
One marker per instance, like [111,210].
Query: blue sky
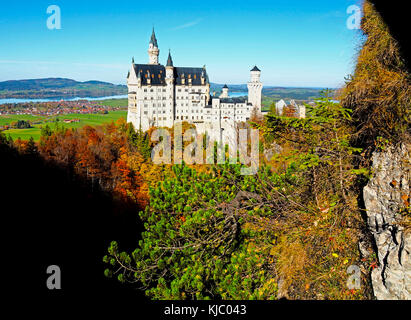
[294,43]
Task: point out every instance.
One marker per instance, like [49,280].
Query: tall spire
[153,50]
[169,60]
[153,39]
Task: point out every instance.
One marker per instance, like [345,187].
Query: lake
[237,94]
[15,100]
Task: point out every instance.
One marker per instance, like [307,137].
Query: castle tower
[134,107]
[169,67]
[170,91]
[153,50]
[255,87]
[224,93]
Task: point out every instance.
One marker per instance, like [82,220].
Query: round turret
[224,93]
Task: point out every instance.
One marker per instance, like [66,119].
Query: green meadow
[113,102]
[39,121]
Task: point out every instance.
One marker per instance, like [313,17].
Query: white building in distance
[161,96]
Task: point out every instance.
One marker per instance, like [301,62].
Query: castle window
[151,90]
[145,112]
[145,90]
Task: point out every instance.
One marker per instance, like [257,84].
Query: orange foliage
[102,154]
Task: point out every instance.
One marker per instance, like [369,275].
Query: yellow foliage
[379,92]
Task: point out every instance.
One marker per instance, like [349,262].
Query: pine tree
[31,147]
[46,131]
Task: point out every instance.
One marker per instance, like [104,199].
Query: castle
[161,96]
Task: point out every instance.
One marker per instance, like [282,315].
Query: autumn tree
[379,91]
[101,154]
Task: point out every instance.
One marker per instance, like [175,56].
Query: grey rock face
[384,197]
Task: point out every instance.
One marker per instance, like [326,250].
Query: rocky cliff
[386,197]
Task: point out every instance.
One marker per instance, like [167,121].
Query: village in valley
[52,108]
[26,119]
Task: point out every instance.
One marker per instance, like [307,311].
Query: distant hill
[301,94]
[58,88]
[232,87]
[68,88]
[274,93]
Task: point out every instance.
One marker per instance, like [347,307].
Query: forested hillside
[58,88]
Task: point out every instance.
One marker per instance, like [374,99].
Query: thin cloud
[27,62]
[327,15]
[100,65]
[76,64]
[187,25]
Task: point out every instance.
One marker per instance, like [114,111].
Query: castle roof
[189,72]
[156,73]
[153,39]
[225,87]
[233,100]
[255,69]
